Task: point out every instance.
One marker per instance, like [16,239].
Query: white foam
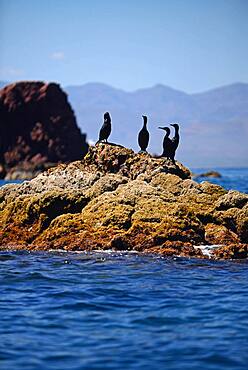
[207,250]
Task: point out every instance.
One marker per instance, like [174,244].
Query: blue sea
[231,178]
[124,310]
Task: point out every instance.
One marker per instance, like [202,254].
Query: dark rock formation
[117,199]
[37,128]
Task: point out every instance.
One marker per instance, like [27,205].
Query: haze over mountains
[214,124]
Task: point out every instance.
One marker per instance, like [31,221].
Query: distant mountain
[214,124]
[228,103]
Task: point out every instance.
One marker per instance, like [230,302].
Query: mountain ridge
[102,84]
[207,119]
[213,123]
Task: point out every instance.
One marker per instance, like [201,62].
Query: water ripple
[117,310]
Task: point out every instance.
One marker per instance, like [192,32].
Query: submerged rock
[115,198]
[210,174]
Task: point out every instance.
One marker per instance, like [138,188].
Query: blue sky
[191,45]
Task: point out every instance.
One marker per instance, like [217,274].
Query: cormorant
[168,146]
[105,129]
[143,137]
[176,138]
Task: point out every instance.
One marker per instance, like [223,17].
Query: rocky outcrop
[117,199]
[210,174]
[37,129]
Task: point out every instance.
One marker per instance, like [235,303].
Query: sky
[190,45]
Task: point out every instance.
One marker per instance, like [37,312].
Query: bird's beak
[161,128]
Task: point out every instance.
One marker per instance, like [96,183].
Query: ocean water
[232,178]
[123,310]
[4,182]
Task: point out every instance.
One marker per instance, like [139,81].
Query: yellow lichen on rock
[117,199]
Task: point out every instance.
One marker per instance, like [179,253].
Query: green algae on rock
[115,198]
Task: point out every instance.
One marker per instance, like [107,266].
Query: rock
[233,251]
[210,174]
[2,171]
[233,199]
[176,249]
[37,129]
[115,198]
[219,234]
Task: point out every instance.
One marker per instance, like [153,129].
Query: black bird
[176,138]
[168,146]
[105,129]
[143,137]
